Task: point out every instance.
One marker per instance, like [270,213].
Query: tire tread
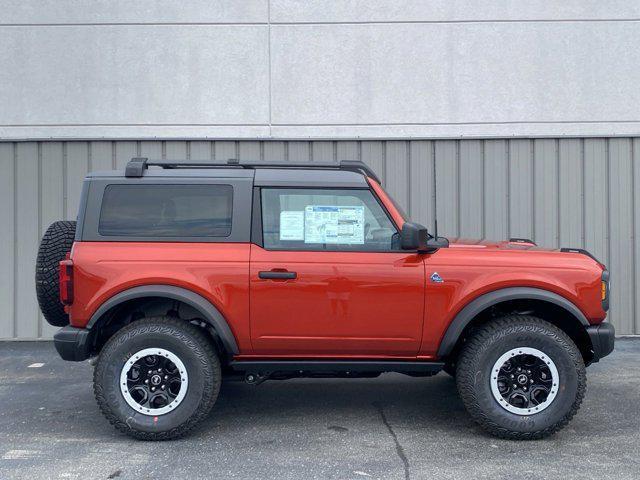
[494,330]
[192,337]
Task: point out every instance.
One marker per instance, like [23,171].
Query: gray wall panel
[575,192]
[285,69]
[8,240]
[34,12]
[545,198]
[571,194]
[596,198]
[521,188]
[304,11]
[471,180]
[496,189]
[224,85]
[635,221]
[621,230]
[27,228]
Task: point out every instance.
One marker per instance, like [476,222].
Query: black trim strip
[411,366]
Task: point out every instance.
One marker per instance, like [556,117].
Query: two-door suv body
[178,274]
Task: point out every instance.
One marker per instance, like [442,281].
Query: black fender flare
[473,308]
[209,312]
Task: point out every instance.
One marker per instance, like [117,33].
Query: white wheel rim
[125,382]
[503,401]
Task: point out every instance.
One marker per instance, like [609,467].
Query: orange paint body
[342,304]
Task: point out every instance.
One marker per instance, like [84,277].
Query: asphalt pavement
[392,427]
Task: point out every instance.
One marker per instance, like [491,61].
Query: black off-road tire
[55,245]
[193,348]
[488,344]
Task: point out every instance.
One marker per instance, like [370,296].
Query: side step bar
[256,371]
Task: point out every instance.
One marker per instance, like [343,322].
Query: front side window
[319,219]
[166,211]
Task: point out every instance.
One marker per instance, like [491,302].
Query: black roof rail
[136,166]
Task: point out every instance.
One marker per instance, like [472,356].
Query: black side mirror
[414,237]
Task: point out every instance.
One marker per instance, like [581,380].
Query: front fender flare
[473,308]
[209,311]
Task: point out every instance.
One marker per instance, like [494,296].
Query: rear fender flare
[476,306]
[209,311]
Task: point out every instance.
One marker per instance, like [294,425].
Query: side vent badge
[436,278]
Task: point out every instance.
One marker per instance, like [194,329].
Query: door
[330,280]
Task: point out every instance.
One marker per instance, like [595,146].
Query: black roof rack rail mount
[136,166]
[579,250]
[522,240]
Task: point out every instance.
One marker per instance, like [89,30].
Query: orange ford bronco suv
[177,274]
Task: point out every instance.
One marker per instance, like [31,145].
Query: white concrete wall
[318,69]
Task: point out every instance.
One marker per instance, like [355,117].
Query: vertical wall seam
[583,199]
[408,179]
[558,200]
[458,202]
[65,185]
[269,63]
[532,151]
[434,191]
[89,156]
[608,197]
[15,240]
[236,149]
[39,181]
[634,280]
[483,178]
[113,155]
[384,163]
[508,187]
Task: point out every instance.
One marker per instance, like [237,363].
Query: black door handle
[277,275]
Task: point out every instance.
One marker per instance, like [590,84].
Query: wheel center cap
[522,379]
[156,379]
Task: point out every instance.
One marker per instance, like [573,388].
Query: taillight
[66,281]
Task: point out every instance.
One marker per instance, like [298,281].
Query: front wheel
[521,377]
[157,378]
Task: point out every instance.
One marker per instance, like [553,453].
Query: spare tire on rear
[55,245]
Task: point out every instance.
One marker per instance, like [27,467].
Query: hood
[512,244]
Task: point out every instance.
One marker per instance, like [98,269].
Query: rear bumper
[602,338]
[72,343]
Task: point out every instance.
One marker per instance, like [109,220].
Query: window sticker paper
[332,225]
[291,225]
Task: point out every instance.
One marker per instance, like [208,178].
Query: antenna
[435,195]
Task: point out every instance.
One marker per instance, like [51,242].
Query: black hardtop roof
[139,167]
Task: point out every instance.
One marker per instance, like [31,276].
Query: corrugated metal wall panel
[559,192]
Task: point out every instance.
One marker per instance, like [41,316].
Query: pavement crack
[399,449]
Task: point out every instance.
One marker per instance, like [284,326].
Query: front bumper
[602,338]
[72,343]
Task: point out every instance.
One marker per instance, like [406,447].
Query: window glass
[314,219]
[166,211]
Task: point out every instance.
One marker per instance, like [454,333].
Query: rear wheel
[521,377]
[157,378]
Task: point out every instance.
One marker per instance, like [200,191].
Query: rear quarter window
[166,211]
